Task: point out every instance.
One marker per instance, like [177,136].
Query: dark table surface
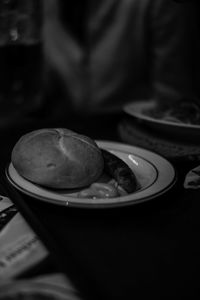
[150,249]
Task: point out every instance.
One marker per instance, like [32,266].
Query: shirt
[132,50]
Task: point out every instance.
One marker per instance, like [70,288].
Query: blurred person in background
[100,55]
[103,54]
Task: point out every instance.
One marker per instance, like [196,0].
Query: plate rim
[139,115]
[112,201]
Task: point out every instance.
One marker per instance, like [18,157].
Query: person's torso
[112,55]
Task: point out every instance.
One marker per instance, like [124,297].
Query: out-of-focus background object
[177,148]
[45,287]
[181,120]
[21,61]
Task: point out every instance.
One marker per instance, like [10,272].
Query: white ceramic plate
[153,172]
[181,130]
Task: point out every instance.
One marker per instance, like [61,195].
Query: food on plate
[120,171]
[62,159]
[122,179]
[100,190]
[58,158]
[182,111]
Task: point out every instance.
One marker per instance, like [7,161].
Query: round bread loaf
[57,158]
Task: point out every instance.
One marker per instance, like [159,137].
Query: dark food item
[183,111]
[120,171]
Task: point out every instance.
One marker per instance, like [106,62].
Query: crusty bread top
[57,157]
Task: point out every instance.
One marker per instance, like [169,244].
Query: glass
[21,58]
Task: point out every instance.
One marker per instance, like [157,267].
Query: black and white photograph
[99,149]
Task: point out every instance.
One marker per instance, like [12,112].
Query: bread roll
[57,158]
